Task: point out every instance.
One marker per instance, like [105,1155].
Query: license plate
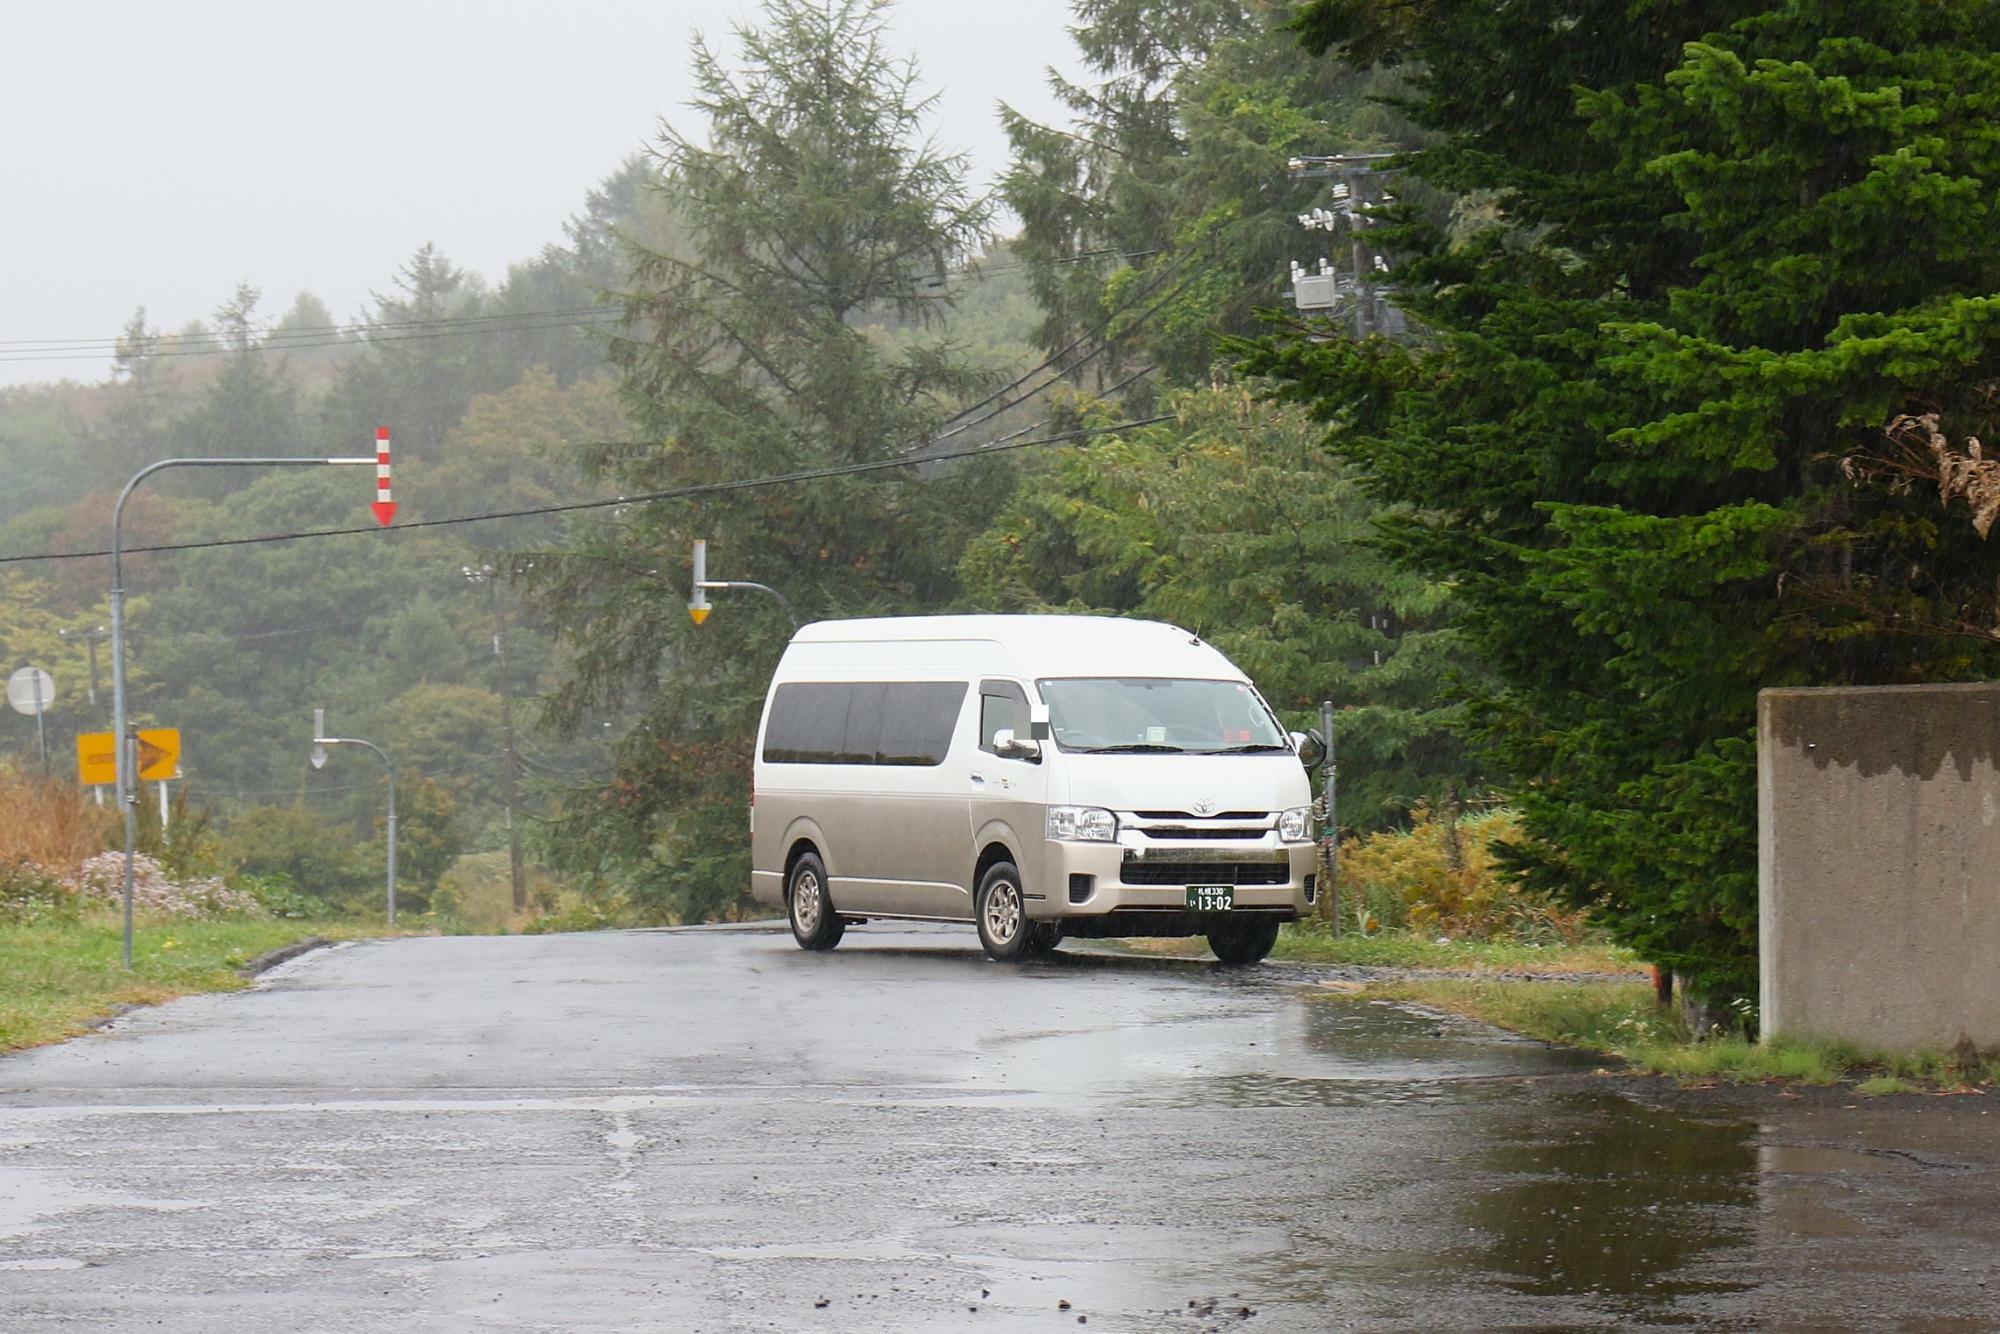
[1211,898]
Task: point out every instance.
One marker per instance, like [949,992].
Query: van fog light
[1293,825]
[1082,824]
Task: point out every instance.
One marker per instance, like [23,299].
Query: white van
[1037,776]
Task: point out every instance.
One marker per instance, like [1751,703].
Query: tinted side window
[918,719]
[865,722]
[865,710]
[808,723]
[1002,704]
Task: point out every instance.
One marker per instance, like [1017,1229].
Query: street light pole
[128,769]
[319,758]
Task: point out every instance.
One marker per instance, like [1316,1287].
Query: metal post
[41,732]
[128,770]
[163,810]
[319,727]
[1330,836]
[516,865]
[392,840]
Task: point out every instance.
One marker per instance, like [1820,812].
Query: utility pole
[91,637]
[1354,195]
[511,780]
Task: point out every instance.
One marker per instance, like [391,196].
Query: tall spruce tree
[1731,243]
[813,205]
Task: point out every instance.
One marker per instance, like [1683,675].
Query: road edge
[283,954]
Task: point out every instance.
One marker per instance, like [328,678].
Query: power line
[642,498]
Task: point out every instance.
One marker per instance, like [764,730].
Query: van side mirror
[1311,748]
[1007,747]
[1038,721]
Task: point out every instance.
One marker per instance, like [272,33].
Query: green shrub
[280,897]
[318,858]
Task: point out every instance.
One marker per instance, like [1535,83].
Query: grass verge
[1404,950]
[1398,949]
[1622,1019]
[57,976]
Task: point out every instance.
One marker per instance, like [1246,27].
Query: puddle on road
[1619,1201]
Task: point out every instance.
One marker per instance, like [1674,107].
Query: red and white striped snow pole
[385,505]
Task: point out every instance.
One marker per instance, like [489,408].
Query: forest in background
[592,370]
[1693,356]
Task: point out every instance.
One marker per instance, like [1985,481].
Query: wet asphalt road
[711,1130]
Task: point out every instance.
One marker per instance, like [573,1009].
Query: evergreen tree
[1233,522]
[1732,243]
[249,407]
[814,205]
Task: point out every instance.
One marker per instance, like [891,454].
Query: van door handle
[979,778]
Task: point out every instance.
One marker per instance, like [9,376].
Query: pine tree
[1732,243]
[813,205]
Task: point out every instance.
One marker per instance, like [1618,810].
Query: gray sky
[155,154]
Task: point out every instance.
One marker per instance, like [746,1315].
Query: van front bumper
[1135,880]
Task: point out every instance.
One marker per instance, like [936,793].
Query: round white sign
[31,690]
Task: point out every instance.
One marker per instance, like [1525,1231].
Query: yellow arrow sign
[159,755]
[97,758]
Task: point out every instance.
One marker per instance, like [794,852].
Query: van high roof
[1032,646]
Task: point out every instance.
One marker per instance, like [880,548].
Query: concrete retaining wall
[1879,864]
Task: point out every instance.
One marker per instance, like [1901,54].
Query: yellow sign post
[159,756]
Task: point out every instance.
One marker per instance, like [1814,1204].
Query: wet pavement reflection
[714,1130]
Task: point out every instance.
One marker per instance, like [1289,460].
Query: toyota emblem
[1203,805]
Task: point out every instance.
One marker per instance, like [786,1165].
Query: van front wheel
[815,925]
[1245,941]
[1002,914]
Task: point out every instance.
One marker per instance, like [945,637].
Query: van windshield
[1141,714]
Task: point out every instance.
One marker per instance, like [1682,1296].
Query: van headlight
[1295,825]
[1082,824]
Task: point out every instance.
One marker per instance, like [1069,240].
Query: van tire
[1043,940]
[815,924]
[1244,941]
[1000,911]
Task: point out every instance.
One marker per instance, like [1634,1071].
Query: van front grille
[1171,833]
[1183,815]
[1204,873]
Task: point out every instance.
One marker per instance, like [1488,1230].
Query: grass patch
[1402,949]
[1622,1019]
[55,976]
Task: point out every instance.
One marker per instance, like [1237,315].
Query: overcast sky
[156,154]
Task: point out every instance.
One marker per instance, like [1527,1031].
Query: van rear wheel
[1246,940]
[1001,912]
[815,925]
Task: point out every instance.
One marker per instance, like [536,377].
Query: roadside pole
[1329,840]
[318,757]
[128,771]
[511,775]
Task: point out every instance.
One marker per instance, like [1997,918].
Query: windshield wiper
[1246,750]
[1134,748]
